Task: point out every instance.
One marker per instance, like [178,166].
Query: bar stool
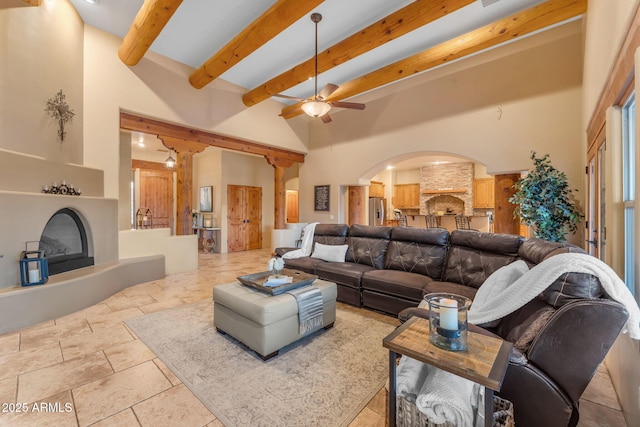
[462,222]
[432,221]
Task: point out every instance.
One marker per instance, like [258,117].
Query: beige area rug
[325,379]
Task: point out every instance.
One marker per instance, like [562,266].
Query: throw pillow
[331,253]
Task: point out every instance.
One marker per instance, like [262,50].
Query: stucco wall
[159,88]
[493,108]
[40,53]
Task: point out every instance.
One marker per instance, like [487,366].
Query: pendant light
[170,162]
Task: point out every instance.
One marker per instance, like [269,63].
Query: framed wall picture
[206,199]
[321,197]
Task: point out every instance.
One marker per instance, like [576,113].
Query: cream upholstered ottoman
[262,322]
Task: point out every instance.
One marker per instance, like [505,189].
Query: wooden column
[279,191]
[184,196]
[356,205]
[184,170]
[504,222]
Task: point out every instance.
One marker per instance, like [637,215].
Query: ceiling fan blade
[352,105]
[326,118]
[289,97]
[327,91]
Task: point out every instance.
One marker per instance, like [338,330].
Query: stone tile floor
[93,371]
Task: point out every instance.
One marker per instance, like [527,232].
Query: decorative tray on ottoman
[257,280]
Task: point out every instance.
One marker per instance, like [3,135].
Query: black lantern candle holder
[34,268]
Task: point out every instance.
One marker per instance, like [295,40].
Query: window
[628,189]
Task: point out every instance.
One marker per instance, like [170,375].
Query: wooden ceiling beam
[180,145]
[147,25]
[399,23]
[533,19]
[272,22]
[149,165]
[161,129]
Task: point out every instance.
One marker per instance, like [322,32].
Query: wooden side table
[484,362]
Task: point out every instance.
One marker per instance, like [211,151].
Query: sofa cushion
[418,250]
[397,283]
[473,256]
[572,286]
[449,287]
[330,234]
[569,286]
[331,253]
[368,245]
[306,264]
[344,273]
[533,251]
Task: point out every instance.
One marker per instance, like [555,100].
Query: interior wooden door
[156,194]
[235,218]
[595,215]
[503,220]
[244,218]
[253,214]
[292,206]
[356,205]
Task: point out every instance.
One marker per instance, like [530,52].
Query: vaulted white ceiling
[200,28]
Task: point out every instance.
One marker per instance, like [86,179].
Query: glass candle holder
[448,320]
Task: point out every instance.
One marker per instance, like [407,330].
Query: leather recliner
[560,338]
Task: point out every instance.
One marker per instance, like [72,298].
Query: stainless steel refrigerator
[376,211]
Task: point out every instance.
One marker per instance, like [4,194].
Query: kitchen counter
[477,222]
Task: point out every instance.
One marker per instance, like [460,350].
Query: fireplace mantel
[447,191]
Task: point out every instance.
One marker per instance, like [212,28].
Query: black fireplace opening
[64,242]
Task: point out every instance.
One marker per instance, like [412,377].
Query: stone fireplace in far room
[445,204]
[447,186]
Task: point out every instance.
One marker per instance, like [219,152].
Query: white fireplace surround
[24,216]
[24,213]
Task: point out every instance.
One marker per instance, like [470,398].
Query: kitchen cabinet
[483,193]
[406,196]
[376,189]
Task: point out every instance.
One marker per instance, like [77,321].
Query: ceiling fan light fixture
[316,108]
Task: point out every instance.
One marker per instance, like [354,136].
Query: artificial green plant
[544,201]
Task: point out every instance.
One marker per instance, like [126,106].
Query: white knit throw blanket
[511,287]
[441,396]
[307,243]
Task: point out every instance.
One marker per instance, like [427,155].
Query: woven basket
[502,413]
[408,415]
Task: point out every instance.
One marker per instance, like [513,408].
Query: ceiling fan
[317,106]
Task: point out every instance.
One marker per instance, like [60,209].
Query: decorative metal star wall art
[58,108]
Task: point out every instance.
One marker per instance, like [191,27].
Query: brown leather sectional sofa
[391,268]
[560,338]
